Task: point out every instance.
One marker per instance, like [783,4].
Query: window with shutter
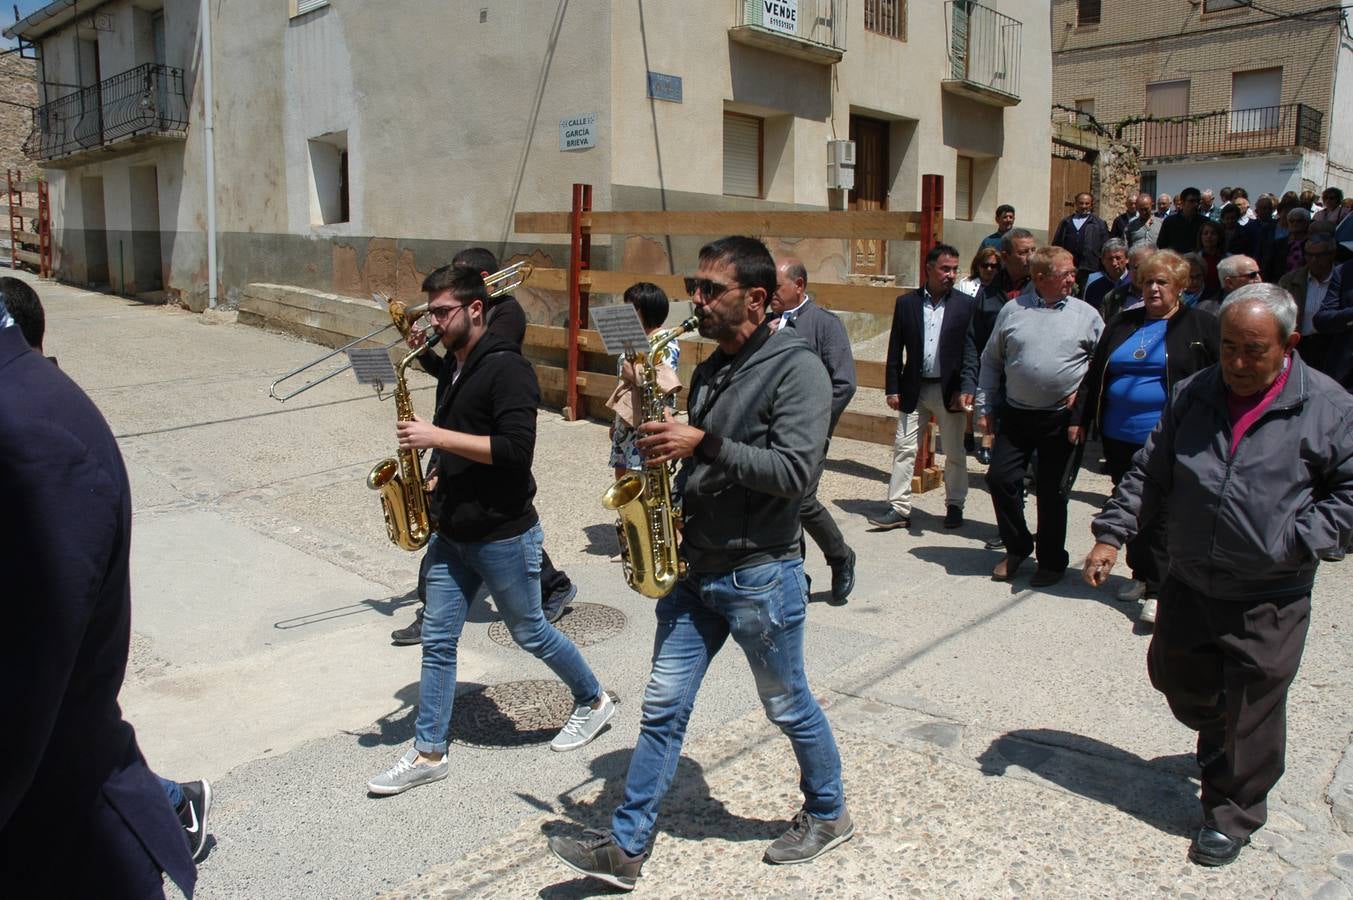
[963,189]
[301,7]
[741,155]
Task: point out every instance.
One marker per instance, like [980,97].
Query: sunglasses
[989,265]
[708,288]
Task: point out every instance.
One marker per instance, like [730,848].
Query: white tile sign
[780,15]
[578,132]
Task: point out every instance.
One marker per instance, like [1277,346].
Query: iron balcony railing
[821,22]
[984,47]
[1228,131]
[146,100]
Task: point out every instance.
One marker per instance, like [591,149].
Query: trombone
[502,282]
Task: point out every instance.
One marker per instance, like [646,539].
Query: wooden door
[869,257]
[1069,178]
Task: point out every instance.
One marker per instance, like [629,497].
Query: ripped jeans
[764,608]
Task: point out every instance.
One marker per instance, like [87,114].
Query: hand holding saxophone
[668,440]
[416,434]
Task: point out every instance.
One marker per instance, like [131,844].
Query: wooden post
[579,258]
[11,176]
[44,230]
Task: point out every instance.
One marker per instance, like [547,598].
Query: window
[1085,109]
[1087,12]
[301,7]
[741,155]
[1255,99]
[963,189]
[1218,5]
[329,179]
[886,17]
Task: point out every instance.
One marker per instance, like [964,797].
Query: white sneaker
[1148,613]
[584,725]
[407,773]
[1133,590]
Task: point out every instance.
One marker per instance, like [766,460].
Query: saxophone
[646,519]
[400,478]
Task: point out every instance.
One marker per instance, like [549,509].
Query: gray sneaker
[584,725]
[808,838]
[407,773]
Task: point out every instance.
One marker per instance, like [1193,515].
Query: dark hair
[25,308]
[1003,209]
[1229,208]
[1338,194]
[1239,192]
[650,301]
[477,258]
[752,264]
[1214,225]
[975,270]
[1191,193]
[796,270]
[940,250]
[1014,234]
[1085,194]
[464,282]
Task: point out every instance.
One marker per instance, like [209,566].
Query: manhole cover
[584,624]
[512,714]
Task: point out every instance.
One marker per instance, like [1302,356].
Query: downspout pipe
[209,151]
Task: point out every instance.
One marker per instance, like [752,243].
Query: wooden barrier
[579,385]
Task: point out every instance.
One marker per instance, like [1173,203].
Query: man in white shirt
[1308,285]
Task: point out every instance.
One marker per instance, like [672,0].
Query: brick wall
[1139,44]
[17,85]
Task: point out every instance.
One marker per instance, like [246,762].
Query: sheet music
[372,366]
[621,330]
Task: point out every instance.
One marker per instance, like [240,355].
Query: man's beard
[455,341]
[722,324]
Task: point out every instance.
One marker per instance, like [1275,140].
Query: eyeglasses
[708,288]
[444,312]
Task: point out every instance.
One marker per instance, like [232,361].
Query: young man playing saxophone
[757,436]
[484,431]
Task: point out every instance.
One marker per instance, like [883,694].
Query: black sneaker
[984,455]
[410,634]
[193,814]
[843,581]
[953,517]
[556,604]
[808,838]
[597,855]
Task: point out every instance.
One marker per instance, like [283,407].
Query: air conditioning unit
[841,152]
[840,177]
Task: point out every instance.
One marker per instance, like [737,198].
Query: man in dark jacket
[1308,285]
[1082,234]
[1253,459]
[756,436]
[488,534]
[1334,320]
[80,813]
[1179,232]
[792,308]
[923,376]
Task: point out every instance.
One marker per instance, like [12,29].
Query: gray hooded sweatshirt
[770,420]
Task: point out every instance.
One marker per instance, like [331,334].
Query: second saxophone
[646,518]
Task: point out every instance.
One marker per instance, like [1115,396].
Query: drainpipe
[209,151]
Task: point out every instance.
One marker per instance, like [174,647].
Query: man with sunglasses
[757,433]
[488,534]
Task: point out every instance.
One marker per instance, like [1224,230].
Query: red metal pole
[932,233]
[579,258]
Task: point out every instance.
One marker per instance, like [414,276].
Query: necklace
[1143,348]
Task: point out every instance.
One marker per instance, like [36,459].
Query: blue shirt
[1134,394]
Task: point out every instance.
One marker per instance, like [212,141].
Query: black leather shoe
[410,634]
[953,517]
[1212,848]
[1046,577]
[843,581]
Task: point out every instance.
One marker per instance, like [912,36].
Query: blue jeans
[764,608]
[510,569]
[172,791]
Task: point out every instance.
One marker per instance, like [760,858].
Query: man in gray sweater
[1040,348]
[756,437]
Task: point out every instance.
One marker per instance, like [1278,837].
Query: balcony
[1229,131]
[984,51]
[141,104]
[814,30]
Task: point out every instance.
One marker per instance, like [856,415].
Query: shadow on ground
[1161,792]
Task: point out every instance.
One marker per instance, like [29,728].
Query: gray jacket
[742,507]
[1244,527]
[827,337]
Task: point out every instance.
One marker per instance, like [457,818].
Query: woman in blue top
[1142,354]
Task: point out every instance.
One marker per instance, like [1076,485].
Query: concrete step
[328,319]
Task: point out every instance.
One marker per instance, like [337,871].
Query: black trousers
[1022,434]
[818,523]
[1224,667]
[1146,553]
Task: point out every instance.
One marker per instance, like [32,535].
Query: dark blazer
[1179,234]
[1192,343]
[1275,265]
[80,813]
[1335,319]
[1084,243]
[902,373]
[990,299]
[827,336]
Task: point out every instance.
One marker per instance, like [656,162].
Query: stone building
[1258,95]
[358,145]
[18,94]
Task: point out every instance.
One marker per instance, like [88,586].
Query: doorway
[869,256]
[95,231]
[146,272]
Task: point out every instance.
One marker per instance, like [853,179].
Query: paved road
[997,741]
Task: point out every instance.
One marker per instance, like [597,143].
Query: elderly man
[1308,285]
[1207,206]
[923,376]
[1145,225]
[1082,234]
[1252,466]
[1124,294]
[1114,259]
[1234,272]
[1165,206]
[1040,349]
[791,307]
